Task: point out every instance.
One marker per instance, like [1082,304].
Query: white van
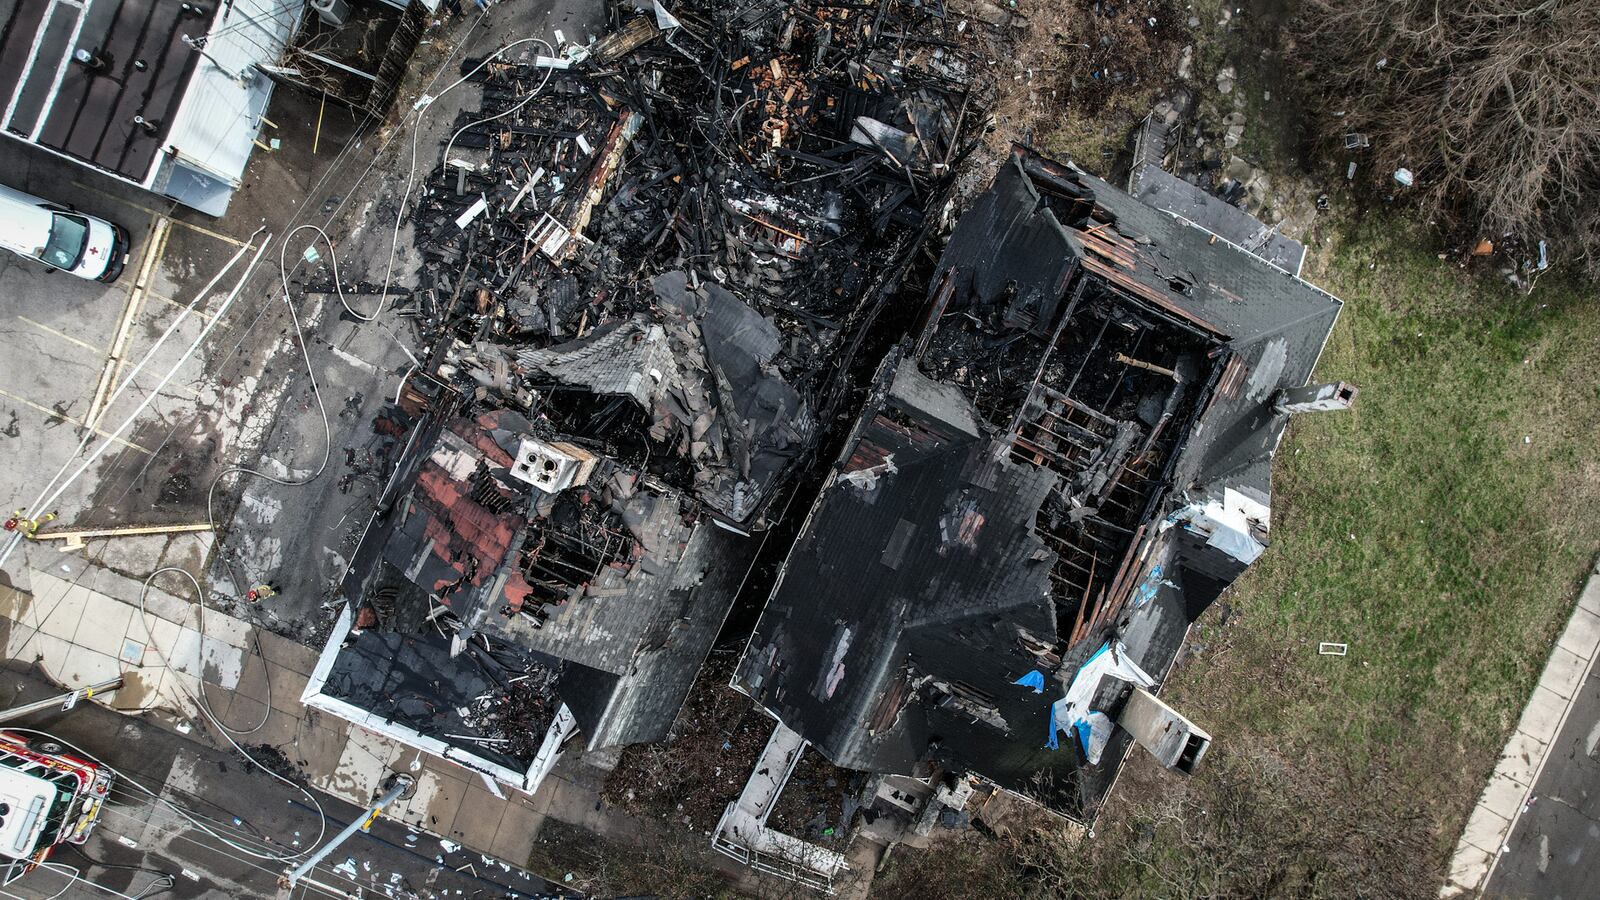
[86,246]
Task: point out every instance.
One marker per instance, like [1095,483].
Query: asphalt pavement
[1554,849]
[140,839]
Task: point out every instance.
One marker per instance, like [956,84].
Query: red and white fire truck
[48,797]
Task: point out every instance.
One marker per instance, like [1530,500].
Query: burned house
[648,263]
[1064,468]
[515,586]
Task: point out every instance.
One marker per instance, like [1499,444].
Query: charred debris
[1047,485]
[648,265]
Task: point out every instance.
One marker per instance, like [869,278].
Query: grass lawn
[1441,529]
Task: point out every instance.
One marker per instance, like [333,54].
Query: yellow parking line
[76,421]
[210,234]
[108,375]
[152,295]
[65,337]
[195,228]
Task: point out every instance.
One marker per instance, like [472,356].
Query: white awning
[216,126]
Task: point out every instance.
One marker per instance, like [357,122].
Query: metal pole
[65,701]
[401,783]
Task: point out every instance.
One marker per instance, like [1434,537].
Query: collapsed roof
[1074,453]
[642,297]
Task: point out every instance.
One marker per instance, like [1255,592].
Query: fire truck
[48,797]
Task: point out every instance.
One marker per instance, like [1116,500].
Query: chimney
[1315,398]
[1173,740]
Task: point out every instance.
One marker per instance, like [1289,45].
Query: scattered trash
[1404,177]
[1329,648]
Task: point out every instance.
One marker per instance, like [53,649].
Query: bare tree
[1493,104]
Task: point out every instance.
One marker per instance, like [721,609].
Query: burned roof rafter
[1123,369]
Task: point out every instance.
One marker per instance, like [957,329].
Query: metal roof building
[164,95]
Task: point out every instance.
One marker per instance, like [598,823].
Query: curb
[1483,840]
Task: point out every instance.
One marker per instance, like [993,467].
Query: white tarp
[1229,525]
[1072,714]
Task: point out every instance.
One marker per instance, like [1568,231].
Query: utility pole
[402,783]
[64,701]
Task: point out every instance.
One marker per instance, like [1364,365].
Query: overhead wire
[194,820]
[173,830]
[200,702]
[163,881]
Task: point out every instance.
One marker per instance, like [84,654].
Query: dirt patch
[816,801]
[690,778]
[1074,77]
[654,865]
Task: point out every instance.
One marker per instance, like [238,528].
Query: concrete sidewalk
[81,623]
[1510,790]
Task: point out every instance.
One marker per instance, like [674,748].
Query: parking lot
[79,358]
[70,342]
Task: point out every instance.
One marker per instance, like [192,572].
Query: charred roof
[645,276]
[1075,450]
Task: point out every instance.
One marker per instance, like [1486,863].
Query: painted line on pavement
[74,420]
[152,295]
[65,337]
[108,375]
[178,222]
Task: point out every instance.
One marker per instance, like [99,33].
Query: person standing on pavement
[19,522]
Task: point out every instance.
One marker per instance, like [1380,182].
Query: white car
[84,245]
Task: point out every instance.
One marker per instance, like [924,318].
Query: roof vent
[552,467]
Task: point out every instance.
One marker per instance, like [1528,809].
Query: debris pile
[716,739]
[516,715]
[666,244]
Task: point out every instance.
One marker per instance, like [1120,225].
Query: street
[211,801]
[1554,849]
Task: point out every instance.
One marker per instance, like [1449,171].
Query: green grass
[1441,529]
[1421,529]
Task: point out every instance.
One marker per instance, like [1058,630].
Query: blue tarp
[1085,735]
[1034,679]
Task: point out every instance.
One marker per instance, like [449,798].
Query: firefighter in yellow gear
[20,523]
